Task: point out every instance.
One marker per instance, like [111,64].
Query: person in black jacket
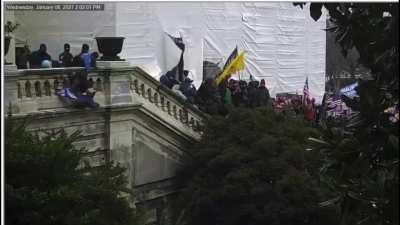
[263,93]
[37,57]
[22,57]
[66,57]
[252,91]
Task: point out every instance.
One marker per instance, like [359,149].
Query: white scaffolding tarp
[283,44]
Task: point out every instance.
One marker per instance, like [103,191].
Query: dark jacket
[168,79]
[66,59]
[36,58]
[263,95]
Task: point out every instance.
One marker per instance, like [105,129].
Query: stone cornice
[67,112]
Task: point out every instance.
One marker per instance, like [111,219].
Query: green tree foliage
[361,161]
[251,168]
[46,183]
[337,64]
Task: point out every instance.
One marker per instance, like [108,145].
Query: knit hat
[262,84]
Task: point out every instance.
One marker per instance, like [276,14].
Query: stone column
[10,93]
[10,58]
[119,134]
[116,79]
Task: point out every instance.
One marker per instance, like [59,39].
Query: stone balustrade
[35,91]
[146,87]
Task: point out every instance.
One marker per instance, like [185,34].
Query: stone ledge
[112,64]
[51,113]
[10,68]
[43,71]
[156,189]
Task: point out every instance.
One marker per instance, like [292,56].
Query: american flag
[306,93]
[333,103]
[67,93]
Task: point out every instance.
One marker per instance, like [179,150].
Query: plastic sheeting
[283,44]
[54,28]
[144,24]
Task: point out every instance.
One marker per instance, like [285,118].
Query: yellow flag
[236,65]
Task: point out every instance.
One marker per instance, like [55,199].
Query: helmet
[46,64]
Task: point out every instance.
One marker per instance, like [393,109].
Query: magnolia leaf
[319,141]
[329,202]
[394,142]
[354,195]
[330,29]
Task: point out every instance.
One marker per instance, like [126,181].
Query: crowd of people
[233,93]
[213,99]
[210,98]
[185,89]
[294,105]
[79,91]
[41,59]
[218,99]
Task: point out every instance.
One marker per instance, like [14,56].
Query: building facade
[139,124]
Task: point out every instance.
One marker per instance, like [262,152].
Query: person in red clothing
[309,110]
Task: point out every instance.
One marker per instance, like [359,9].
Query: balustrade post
[11,90]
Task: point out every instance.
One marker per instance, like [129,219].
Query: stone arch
[185,116]
[180,115]
[149,95]
[136,86]
[38,89]
[162,102]
[99,85]
[55,83]
[196,126]
[19,93]
[91,82]
[155,98]
[28,92]
[174,112]
[142,92]
[169,107]
[47,88]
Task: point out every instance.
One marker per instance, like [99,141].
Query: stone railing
[133,86]
[34,91]
[145,87]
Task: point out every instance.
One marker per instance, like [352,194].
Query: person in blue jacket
[84,59]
